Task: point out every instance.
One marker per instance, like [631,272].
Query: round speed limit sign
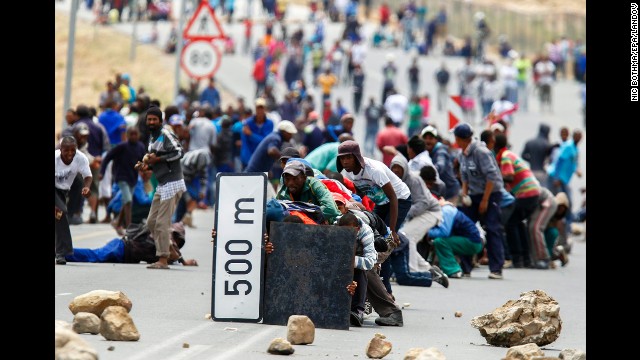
[200,59]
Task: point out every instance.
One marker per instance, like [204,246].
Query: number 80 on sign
[200,59]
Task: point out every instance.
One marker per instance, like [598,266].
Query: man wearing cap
[163,157]
[442,161]
[375,180]
[482,182]
[254,129]
[300,187]
[286,154]
[268,150]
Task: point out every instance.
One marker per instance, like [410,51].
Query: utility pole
[134,35]
[176,88]
[69,70]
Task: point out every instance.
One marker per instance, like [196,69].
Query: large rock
[70,346]
[431,353]
[85,322]
[300,330]
[63,324]
[280,346]
[573,354]
[533,318]
[97,300]
[378,347]
[523,352]
[116,324]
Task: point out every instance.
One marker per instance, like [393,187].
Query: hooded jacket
[455,223]
[537,150]
[477,166]
[421,198]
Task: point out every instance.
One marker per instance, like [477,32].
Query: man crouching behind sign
[268,247]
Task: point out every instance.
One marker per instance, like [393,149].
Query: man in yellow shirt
[326,81]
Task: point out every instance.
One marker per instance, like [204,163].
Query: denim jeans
[399,262]
[492,224]
[383,211]
[111,252]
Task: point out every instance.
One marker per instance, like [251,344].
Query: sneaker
[439,276]
[496,275]
[93,218]
[393,319]
[355,318]
[457,275]
[60,260]
[508,264]
[466,275]
[75,220]
[368,309]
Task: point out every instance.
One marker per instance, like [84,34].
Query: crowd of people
[431,209]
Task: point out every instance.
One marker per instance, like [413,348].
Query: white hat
[261,102]
[429,130]
[390,57]
[287,126]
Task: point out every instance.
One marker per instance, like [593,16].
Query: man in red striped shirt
[520,181]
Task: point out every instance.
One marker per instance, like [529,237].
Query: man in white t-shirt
[375,180]
[68,163]
[396,106]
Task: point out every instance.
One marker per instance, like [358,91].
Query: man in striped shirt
[522,183]
[163,157]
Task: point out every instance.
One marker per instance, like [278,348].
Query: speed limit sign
[200,59]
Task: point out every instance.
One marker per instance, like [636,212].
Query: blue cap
[463,131]
[125,77]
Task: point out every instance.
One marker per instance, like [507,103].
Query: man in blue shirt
[210,95]
[254,129]
[269,148]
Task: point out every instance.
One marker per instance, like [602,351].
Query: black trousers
[360,296]
[63,233]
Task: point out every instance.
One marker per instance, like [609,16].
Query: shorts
[125,191]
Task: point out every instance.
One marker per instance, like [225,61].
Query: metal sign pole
[69,70]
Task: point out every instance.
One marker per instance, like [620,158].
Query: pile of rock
[96,312]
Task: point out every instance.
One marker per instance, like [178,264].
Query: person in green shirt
[415,116]
[523,65]
[299,187]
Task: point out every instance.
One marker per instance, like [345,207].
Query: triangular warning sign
[204,24]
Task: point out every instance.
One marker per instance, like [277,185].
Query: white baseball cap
[286,125]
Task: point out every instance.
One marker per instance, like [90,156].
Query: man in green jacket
[299,187]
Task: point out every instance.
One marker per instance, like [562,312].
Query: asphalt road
[169,307]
